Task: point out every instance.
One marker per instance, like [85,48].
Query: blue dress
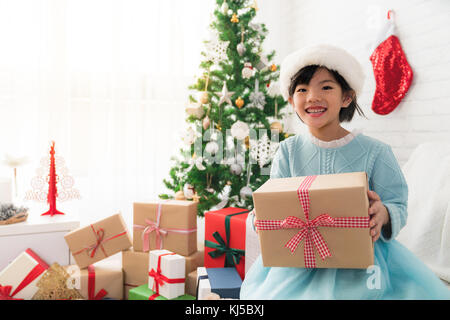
[397,272]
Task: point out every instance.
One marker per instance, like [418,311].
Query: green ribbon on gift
[232,256]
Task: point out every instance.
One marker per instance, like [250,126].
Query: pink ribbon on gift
[308,229]
[152,226]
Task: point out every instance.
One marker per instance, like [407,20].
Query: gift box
[225,239]
[19,279]
[191,283]
[97,282]
[135,269]
[166,273]
[44,234]
[252,247]
[165,224]
[98,240]
[194,261]
[144,293]
[315,222]
[225,282]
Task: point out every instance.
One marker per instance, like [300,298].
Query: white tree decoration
[216,50]
[263,150]
[257,98]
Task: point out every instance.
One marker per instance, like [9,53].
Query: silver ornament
[236,169]
[212,147]
[246,193]
[224,8]
[241,49]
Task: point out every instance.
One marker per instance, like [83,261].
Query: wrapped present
[144,293]
[252,247]
[191,283]
[194,261]
[98,240]
[225,282]
[167,273]
[315,222]
[165,224]
[225,239]
[135,269]
[19,279]
[97,282]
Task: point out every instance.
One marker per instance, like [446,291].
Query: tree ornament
[257,98]
[216,50]
[203,97]
[246,192]
[189,136]
[273,68]
[241,49]
[393,74]
[240,130]
[179,195]
[212,147]
[263,63]
[197,162]
[188,191]
[247,71]
[224,8]
[236,169]
[195,109]
[225,95]
[276,126]
[273,89]
[239,102]
[206,122]
[234,18]
[263,150]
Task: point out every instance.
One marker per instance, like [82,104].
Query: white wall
[424,32]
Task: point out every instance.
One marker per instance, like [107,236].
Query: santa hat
[331,57]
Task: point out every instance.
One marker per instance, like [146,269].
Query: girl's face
[319,102]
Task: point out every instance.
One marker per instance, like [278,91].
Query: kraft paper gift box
[97,282]
[167,273]
[225,282]
[144,293]
[329,212]
[191,283]
[19,279]
[135,269]
[165,224]
[98,240]
[225,239]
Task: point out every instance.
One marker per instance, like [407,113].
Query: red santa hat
[331,57]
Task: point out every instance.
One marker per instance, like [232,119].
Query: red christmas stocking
[393,74]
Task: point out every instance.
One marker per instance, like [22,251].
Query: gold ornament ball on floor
[276,126]
[239,102]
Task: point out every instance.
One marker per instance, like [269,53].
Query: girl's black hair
[304,76]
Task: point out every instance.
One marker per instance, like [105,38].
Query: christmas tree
[232,113]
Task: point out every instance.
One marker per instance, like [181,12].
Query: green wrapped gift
[144,293]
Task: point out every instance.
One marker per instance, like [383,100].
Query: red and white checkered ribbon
[308,229]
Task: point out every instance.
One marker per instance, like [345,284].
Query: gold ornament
[234,18]
[204,97]
[273,68]
[239,102]
[247,142]
[276,126]
[179,195]
[195,197]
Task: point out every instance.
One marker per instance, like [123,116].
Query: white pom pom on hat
[331,57]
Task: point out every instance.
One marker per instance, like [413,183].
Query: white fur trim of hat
[331,57]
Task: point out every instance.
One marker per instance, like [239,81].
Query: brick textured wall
[424,31]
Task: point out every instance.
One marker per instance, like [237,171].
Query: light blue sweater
[299,156]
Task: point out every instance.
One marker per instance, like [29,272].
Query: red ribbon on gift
[99,235]
[5,291]
[308,229]
[160,279]
[91,286]
[152,226]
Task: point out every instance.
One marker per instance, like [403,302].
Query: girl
[321,83]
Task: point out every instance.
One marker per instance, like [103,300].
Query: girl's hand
[378,213]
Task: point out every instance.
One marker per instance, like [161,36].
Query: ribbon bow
[232,255]
[99,234]
[5,293]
